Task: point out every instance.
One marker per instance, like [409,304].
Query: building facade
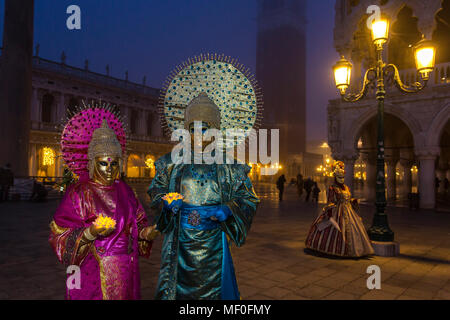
[59,89]
[417,126]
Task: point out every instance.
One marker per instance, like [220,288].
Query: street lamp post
[424,53]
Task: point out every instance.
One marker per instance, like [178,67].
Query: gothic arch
[423,10]
[351,138]
[435,131]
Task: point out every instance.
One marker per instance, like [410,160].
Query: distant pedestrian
[6,182]
[436,183]
[299,185]
[308,188]
[280,186]
[315,192]
[39,192]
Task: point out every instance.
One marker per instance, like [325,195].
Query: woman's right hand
[102,231]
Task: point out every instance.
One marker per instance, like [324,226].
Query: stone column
[407,177]
[349,161]
[33,160]
[60,107]
[157,129]
[125,112]
[427,175]
[391,182]
[35,105]
[371,174]
[40,95]
[141,122]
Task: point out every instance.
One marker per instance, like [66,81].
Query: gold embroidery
[102,273]
[57,229]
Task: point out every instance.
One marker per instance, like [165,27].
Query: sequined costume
[196,262]
[108,265]
[339,230]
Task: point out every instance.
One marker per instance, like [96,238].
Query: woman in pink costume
[93,144]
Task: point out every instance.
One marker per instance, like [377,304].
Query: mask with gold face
[339,171]
[105,156]
[106,170]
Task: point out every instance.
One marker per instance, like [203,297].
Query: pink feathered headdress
[77,134]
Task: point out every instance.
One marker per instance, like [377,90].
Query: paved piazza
[271,265]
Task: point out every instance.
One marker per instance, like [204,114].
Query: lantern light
[425,53]
[342,72]
[380,31]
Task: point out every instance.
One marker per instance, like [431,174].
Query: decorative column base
[386,249]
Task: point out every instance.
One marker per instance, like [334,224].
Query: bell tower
[15,85]
[280,70]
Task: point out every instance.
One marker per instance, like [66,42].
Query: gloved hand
[174,206]
[95,231]
[149,233]
[221,214]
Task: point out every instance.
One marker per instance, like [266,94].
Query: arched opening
[135,166]
[441,34]
[443,169]
[134,117]
[149,170]
[399,159]
[72,107]
[46,162]
[47,108]
[404,35]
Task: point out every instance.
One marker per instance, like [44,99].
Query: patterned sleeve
[66,231]
[145,247]
[243,204]
[158,188]
[331,201]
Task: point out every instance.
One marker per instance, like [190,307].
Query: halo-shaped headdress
[226,82]
[78,131]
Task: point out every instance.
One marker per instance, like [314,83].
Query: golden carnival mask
[339,171]
[106,170]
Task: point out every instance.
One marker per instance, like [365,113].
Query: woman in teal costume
[218,207]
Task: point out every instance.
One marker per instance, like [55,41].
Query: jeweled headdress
[225,81]
[337,165]
[202,108]
[79,131]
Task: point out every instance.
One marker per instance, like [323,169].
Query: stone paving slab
[271,265]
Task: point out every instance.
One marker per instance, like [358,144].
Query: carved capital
[427,153]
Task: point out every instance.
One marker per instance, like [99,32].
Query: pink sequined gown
[109,265]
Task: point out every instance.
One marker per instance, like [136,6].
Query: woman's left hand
[150,233]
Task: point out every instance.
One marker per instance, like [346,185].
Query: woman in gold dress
[339,230]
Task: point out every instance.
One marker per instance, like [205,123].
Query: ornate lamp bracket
[353,97]
[416,87]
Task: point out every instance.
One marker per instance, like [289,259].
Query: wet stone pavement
[271,265]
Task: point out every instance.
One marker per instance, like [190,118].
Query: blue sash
[198,217]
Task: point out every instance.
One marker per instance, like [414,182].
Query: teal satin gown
[195,259]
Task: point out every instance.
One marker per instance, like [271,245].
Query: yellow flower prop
[104,221]
[172,196]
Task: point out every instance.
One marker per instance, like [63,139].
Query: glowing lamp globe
[380,31]
[342,72]
[425,54]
